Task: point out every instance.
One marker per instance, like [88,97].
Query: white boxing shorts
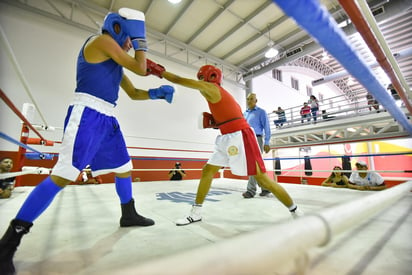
[239,151]
[92,136]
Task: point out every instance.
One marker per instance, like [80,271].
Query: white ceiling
[232,34]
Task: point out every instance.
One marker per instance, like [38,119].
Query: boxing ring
[271,248]
[24,145]
[234,237]
[312,230]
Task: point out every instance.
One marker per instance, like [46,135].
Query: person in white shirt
[365,180]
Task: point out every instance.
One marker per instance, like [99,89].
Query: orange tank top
[227,113]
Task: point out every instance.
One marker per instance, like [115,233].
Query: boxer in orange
[236,147]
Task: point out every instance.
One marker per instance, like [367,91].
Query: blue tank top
[101,80]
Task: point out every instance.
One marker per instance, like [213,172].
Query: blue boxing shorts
[92,136]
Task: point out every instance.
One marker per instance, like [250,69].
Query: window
[295,83]
[277,74]
[308,90]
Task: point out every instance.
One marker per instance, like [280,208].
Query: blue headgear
[108,25]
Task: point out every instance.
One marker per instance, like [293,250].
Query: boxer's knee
[209,170]
[124,174]
[5,194]
[59,181]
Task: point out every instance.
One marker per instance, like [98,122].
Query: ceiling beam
[238,26]
[396,7]
[208,22]
[86,6]
[178,16]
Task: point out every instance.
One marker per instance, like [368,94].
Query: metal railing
[338,107]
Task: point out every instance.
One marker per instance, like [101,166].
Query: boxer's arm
[131,91]
[209,90]
[163,92]
[378,187]
[104,47]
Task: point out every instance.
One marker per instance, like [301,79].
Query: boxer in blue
[92,135]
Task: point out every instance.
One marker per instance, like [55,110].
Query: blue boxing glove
[163,92]
[135,23]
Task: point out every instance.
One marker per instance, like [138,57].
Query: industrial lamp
[272,52]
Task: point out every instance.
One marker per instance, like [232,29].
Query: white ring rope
[43,171]
[26,170]
[283,170]
[46,127]
[343,171]
[283,242]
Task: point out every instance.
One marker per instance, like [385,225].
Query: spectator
[281,117]
[305,112]
[7,184]
[314,107]
[372,102]
[394,93]
[336,179]
[177,173]
[364,180]
[258,120]
[326,116]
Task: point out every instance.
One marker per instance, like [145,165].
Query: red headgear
[207,71]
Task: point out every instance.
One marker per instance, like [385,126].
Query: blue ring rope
[12,140]
[28,155]
[316,20]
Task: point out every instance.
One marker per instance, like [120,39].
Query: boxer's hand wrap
[139,44]
[154,68]
[135,22]
[208,121]
[163,92]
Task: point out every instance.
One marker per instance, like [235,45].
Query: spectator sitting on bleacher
[7,184]
[325,115]
[281,117]
[305,112]
[395,95]
[362,179]
[372,102]
[336,179]
[393,92]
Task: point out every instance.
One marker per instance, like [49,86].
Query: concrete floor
[80,234]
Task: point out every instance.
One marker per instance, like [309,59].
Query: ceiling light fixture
[272,51]
[325,56]
[175,1]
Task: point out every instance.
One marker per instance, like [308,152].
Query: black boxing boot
[131,218]
[9,243]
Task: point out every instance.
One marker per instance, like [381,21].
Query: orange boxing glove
[208,121]
[154,68]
